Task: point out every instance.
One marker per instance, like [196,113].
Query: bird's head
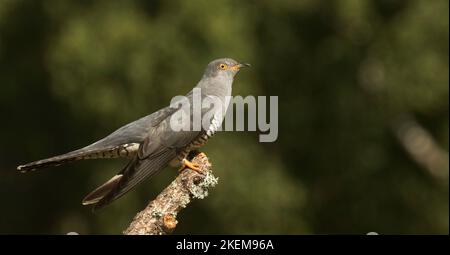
[224,67]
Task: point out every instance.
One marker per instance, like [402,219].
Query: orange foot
[188,164]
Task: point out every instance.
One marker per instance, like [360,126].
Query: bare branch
[422,147]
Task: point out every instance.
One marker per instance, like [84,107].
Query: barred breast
[201,139]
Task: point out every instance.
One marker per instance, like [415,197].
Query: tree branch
[160,215]
[422,147]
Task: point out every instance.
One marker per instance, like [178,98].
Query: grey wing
[136,171]
[154,155]
[134,132]
[161,146]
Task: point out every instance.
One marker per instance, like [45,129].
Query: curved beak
[244,65]
[240,65]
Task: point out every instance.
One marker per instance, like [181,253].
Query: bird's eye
[223,66]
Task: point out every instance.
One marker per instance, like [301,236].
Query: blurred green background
[363,111]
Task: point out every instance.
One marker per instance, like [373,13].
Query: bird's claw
[188,164]
[201,155]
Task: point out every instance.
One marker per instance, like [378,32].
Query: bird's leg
[187,163]
[192,154]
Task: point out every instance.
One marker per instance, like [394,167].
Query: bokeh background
[363,111]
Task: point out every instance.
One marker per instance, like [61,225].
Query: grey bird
[150,143]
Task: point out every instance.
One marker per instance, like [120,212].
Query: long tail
[124,150]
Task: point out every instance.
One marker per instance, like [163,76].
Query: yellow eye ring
[223,66]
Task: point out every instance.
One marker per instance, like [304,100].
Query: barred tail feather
[125,150]
[53,161]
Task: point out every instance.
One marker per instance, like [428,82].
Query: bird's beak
[240,65]
[244,65]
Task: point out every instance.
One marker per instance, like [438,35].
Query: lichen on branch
[160,215]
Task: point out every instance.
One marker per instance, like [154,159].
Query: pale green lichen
[184,201]
[200,190]
[157,214]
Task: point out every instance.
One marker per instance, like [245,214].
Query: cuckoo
[150,143]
